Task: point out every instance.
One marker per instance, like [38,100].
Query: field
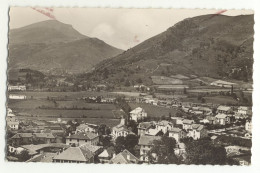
[154,111]
[224,100]
[38,107]
[69,95]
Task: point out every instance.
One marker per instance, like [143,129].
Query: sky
[121,28]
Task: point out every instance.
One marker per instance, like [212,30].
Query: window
[77,140]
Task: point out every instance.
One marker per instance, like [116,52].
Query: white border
[210,4]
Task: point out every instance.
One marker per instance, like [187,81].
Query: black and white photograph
[129,86]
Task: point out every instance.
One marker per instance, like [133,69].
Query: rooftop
[125,157]
[148,140]
[221,116]
[75,154]
[224,108]
[83,136]
[137,110]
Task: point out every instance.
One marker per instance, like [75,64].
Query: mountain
[214,46]
[50,45]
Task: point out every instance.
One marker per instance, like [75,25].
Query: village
[136,137]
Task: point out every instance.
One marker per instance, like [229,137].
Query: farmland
[37,106]
[154,111]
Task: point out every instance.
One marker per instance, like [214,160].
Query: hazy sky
[122,28]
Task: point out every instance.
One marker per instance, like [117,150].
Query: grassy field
[70,95]
[223,100]
[154,111]
[109,122]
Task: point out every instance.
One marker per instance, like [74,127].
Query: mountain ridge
[209,45]
[50,45]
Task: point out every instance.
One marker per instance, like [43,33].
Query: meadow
[154,111]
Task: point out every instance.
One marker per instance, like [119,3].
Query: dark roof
[83,136]
[144,125]
[148,140]
[22,135]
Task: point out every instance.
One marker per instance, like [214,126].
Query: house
[22,138]
[87,127]
[125,157]
[197,131]
[44,138]
[106,155]
[177,134]
[186,124]
[82,138]
[224,110]
[180,150]
[146,143]
[163,126]
[16,88]
[243,110]
[17,97]
[206,110]
[75,155]
[120,130]
[95,150]
[222,119]
[143,127]
[177,120]
[43,148]
[138,114]
[248,126]
[221,83]
[13,124]
[211,119]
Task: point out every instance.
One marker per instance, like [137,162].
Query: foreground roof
[75,154]
[125,157]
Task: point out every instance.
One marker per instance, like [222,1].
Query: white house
[243,110]
[82,138]
[87,127]
[144,127]
[197,131]
[138,114]
[120,130]
[177,134]
[16,88]
[248,126]
[163,126]
[146,143]
[187,124]
[221,83]
[17,97]
[224,109]
[222,119]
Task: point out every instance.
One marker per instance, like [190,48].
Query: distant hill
[51,45]
[214,46]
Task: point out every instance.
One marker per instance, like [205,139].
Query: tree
[127,83]
[23,156]
[106,141]
[130,142]
[164,151]
[139,80]
[203,151]
[120,144]
[133,125]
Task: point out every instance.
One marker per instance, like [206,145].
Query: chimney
[128,156]
[114,155]
[122,121]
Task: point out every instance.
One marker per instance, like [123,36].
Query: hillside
[50,45]
[205,46]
